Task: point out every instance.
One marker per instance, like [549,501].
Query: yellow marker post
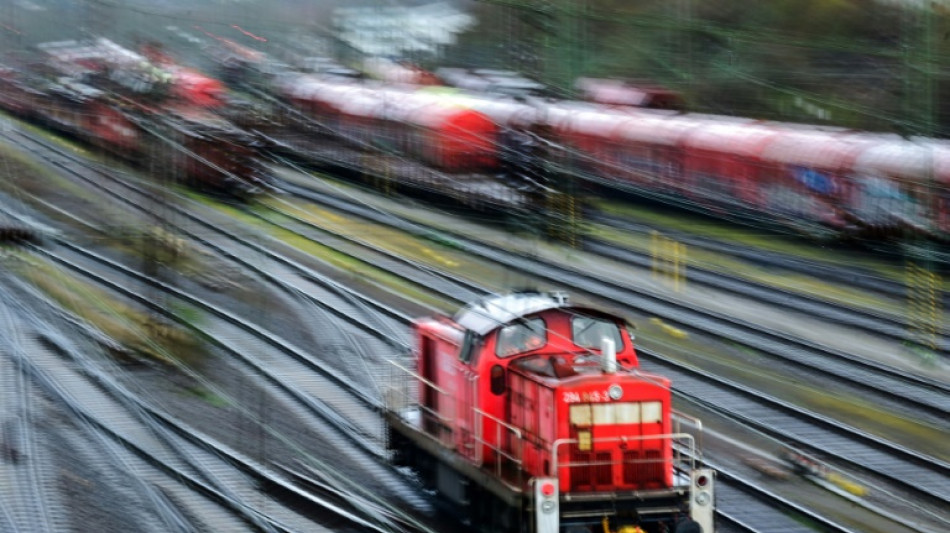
[654,253]
[923,306]
[668,260]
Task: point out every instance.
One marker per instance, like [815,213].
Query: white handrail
[477,434]
[501,422]
[418,377]
[444,420]
[514,456]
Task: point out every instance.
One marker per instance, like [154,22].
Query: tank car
[206,152]
[410,140]
[818,181]
[530,414]
[79,110]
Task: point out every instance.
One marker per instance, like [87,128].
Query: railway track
[866,321]
[199,442]
[310,387]
[339,416]
[470,289]
[914,395]
[24,477]
[844,275]
[923,476]
[105,422]
[745,506]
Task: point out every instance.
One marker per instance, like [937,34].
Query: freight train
[159,119]
[406,140]
[819,180]
[529,414]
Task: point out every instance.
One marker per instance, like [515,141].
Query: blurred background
[867,64]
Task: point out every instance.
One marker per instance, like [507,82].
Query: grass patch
[139,332]
[63,141]
[23,173]
[753,369]
[856,412]
[725,263]
[208,396]
[187,314]
[357,269]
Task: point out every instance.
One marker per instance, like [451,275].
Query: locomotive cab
[523,390]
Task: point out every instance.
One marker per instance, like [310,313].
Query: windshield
[590,332]
[522,336]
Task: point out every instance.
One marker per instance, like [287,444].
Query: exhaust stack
[609,353]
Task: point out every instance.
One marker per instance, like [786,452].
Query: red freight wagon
[720,162]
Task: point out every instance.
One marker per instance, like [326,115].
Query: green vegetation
[22,174]
[751,368]
[857,63]
[142,334]
[208,396]
[358,270]
[757,239]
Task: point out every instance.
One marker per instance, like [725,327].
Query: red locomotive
[530,414]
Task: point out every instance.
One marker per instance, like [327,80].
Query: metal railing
[513,455]
[508,442]
[400,400]
[403,398]
[681,419]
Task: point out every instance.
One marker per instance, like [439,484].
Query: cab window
[522,336]
[590,332]
[469,347]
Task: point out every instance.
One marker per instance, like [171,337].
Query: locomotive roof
[495,311]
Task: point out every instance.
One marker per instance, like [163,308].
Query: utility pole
[924,289]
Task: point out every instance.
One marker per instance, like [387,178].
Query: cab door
[468,420]
[466,395]
[428,393]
